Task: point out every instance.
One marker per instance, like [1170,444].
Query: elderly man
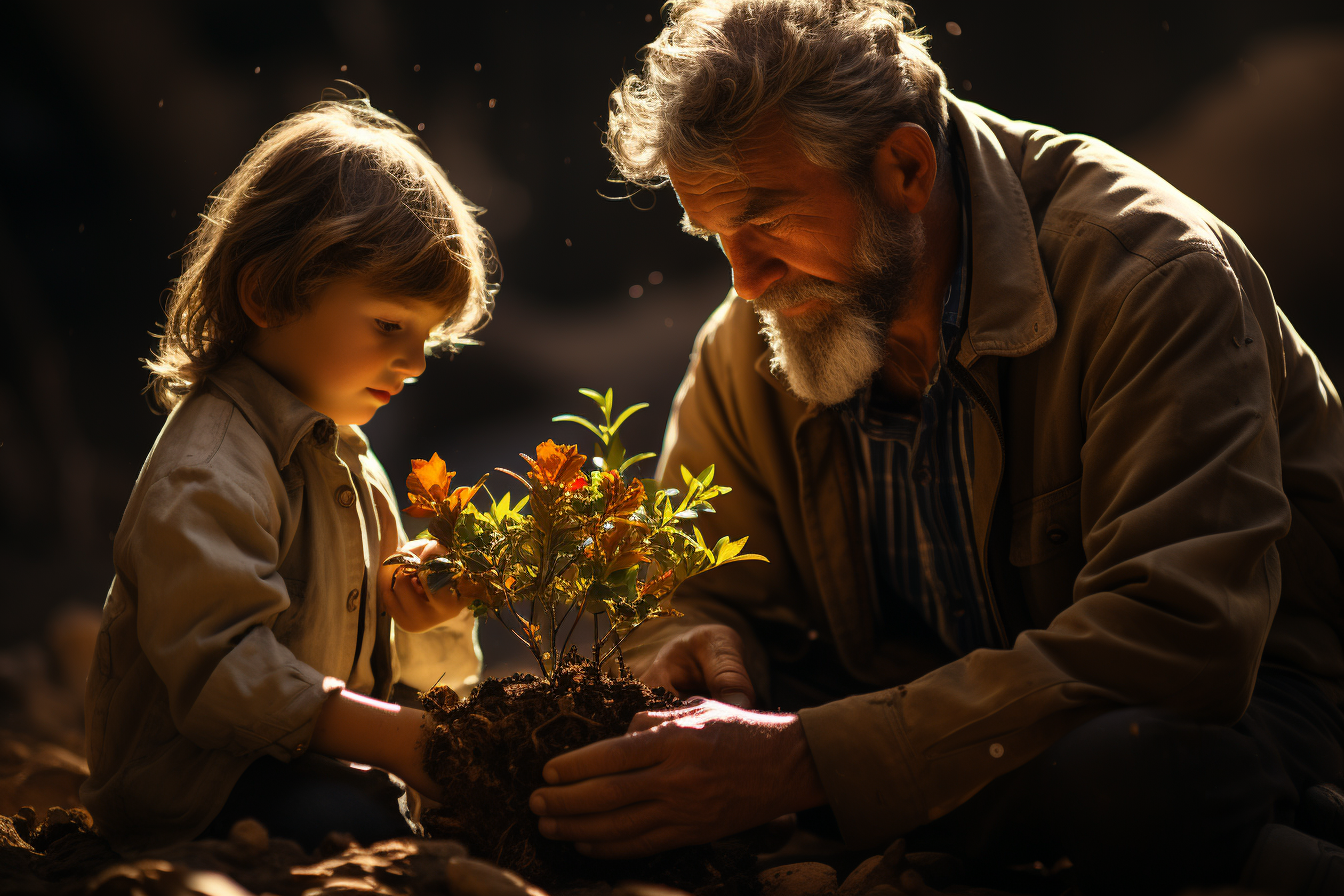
[1053,494]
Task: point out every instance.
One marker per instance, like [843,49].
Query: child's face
[350,352]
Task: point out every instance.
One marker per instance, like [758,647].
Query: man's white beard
[828,354]
[828,357]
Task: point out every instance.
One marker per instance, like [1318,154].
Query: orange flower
[623,545]
[622,499]
[428,485]
[580,481]
[555,464]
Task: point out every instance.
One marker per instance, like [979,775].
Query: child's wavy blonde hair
[336,190]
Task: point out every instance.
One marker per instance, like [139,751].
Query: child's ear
[247,298]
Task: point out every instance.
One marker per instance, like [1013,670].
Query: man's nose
[755,267]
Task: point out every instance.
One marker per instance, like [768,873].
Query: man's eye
[768,226]
[387,326]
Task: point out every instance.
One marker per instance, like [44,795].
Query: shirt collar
[884,425]
[276,413]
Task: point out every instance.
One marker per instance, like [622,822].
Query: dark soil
[488,752]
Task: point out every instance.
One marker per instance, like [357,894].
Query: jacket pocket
[1046,525]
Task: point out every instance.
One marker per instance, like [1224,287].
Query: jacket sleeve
[205,558]
[1181,505]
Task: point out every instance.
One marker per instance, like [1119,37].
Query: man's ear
[905,168]
[247,298]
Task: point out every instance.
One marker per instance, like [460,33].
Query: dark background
[122,117]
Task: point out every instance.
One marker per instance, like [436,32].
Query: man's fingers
[606,757]
[724,672]
[594,795]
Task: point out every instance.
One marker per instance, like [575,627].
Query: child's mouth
[383,397]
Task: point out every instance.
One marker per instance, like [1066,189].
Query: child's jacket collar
[276,413]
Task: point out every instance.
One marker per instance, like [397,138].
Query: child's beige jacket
[246,574]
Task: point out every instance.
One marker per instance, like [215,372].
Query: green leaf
[574,418]
[741,557]
[726,552]
[615,453]
[631,461]
[625,414]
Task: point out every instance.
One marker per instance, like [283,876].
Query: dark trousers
[308,798]
[1142,802]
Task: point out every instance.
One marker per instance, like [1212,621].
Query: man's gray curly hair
[843,73]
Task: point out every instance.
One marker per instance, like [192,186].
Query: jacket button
[1057,534]
[345,496]
[352,600]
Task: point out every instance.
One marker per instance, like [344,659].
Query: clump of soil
[488,752]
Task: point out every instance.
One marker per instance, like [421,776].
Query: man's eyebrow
[760,201]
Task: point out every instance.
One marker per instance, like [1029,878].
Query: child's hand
[414,608]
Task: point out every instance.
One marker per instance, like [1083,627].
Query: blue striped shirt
[913,468]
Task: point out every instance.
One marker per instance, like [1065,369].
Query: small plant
[612,546]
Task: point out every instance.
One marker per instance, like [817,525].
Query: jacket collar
[1010,311]
[276,413]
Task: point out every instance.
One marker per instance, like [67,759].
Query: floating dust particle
[568,242]
[477,66]
[966,84]
[81,227]
[343,68]
[636,291]
[173,213]
[656,277]
[648,17]
[953,29]
[160,104]
[667,322]
[415,67]
[257,70]
[420,126]
[492,102]
[1134,729]
[566,160]
[1166,26]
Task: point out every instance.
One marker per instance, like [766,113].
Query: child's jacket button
[345,496]
[352,600]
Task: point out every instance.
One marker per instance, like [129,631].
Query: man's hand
[684,776]
[704,660]
[405,597]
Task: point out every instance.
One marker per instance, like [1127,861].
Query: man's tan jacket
[236,606]
[1157,494]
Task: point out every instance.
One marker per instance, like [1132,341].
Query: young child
[250,634]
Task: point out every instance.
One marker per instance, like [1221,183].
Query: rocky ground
[53,851]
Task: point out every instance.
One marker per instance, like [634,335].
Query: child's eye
[387,326]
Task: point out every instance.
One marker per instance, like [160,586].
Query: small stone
[250,835]
[473,877]
[639,888]
[799,879]
[870,873]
